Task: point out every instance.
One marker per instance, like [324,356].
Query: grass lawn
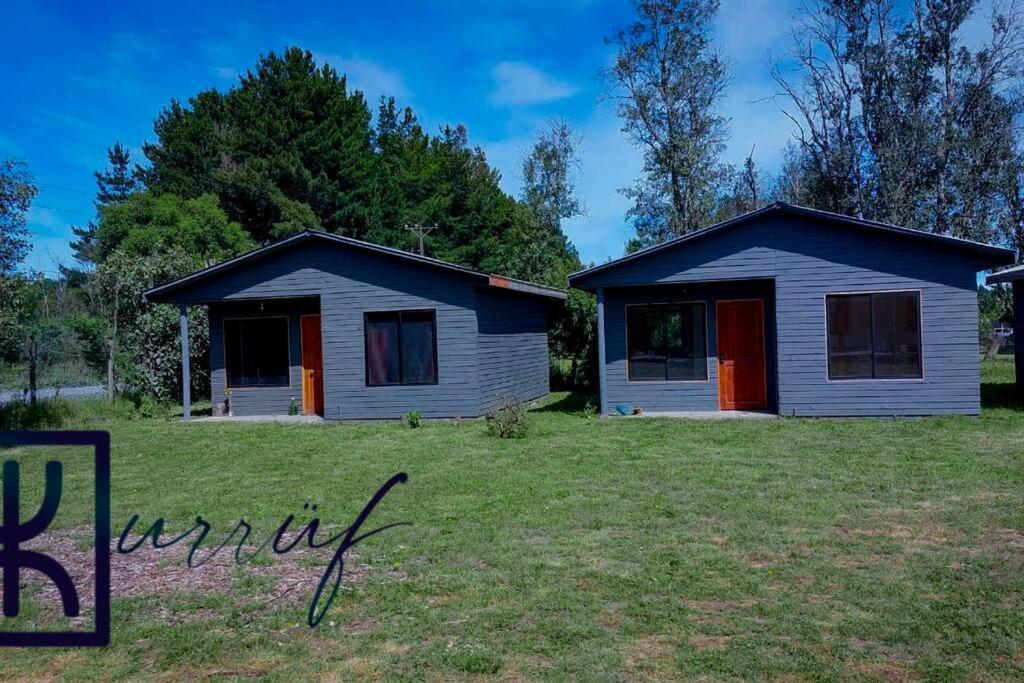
[594,549]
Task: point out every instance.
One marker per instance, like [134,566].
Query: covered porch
[688,349]
[266,359]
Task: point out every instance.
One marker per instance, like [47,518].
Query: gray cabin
[354,331]
[793,311]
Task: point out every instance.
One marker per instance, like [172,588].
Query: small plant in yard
[293,408]
[508,421]
[412,418]
[148,406]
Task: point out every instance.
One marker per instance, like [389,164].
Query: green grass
[592,549]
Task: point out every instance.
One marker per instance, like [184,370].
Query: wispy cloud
[518,83]
[373,79]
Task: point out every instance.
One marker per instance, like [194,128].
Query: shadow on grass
[197,411]
[570,403]
[1001,395]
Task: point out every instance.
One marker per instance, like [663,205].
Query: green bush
[412,418]
[49,413]
[148,406]
[509,421]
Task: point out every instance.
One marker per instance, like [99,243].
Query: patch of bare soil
[654,655]
[885,671]
[148,571]
[915,537]
[703,642]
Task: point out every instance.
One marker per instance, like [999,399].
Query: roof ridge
[522,285]
[801,211]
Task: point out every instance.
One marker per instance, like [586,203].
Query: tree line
[290,148]
[897,118]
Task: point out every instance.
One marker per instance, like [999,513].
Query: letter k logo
[13,533]
[88,597]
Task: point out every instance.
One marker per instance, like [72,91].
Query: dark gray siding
[350,282]
[689,395]
[807,261]
[512,347]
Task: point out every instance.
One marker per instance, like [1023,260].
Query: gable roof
[166,291]
[1001,255]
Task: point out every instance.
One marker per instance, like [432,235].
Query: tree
[140,243]
[287,149]
[900,121]
[749,191]
[536,247]
[147,224]
[114,185]
[142,344]
[667,83]
[17,190]
[291,147]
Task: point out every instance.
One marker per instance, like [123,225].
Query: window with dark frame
[256,352]
[874,336]
[667,342]
[401,348]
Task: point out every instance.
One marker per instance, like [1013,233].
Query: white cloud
[226,72]
[372,78]
[518,83]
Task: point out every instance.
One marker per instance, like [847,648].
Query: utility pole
[421,232]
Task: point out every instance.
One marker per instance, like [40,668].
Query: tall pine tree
[114,185]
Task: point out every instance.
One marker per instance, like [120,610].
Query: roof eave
[1007,275]
[523,287]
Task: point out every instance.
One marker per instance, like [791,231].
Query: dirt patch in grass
[702,642]
[884,671]
[148,571]
[653,655]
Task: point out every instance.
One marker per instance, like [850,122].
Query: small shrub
[148,406]
[509,421]
[293,408]
[413,418]
[49,413]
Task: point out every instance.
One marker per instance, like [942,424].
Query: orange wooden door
[312,366]
[741,366]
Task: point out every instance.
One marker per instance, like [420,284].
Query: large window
[256,352]
[400,348]
[667,342]
[874,336]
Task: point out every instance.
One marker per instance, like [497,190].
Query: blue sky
[82,75]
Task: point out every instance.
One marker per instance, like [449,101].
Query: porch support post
[186,374]
[1018,334]
[602,408]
